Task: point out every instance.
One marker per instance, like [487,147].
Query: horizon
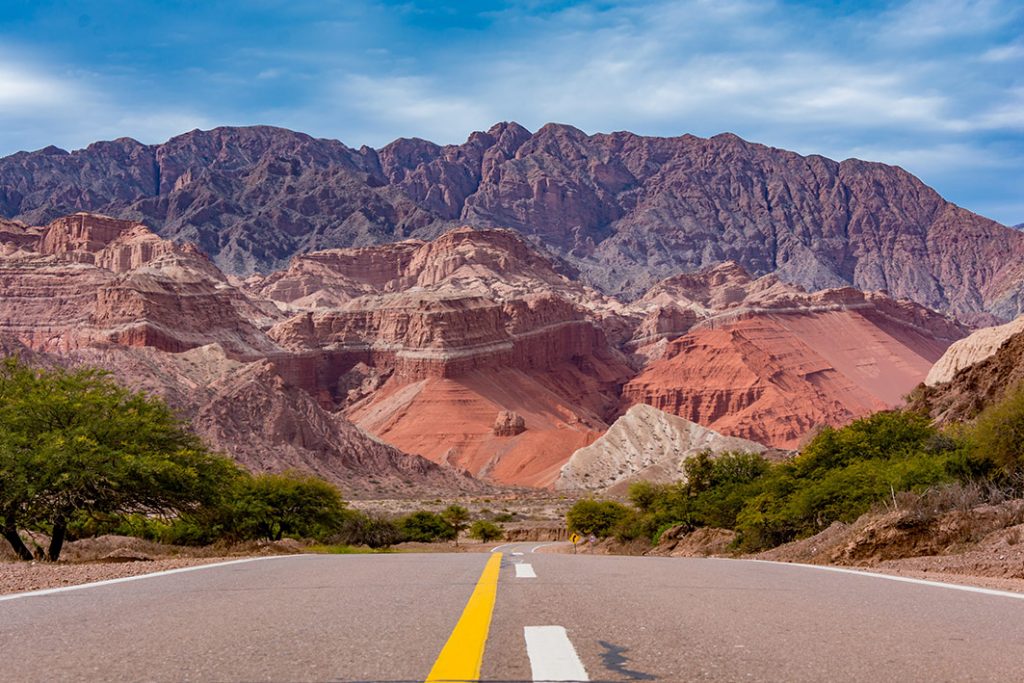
[932,87]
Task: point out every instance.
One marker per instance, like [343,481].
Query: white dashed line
[525,571]
[552,656]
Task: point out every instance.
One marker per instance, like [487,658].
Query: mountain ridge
[625,210]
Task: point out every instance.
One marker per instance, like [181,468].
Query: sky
[935,86]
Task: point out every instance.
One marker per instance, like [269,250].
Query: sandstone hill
[768,362]
[475,350]
[624,209]
[644,444]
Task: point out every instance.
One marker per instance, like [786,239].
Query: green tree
[425,527]
[598,517]
[74,442]
[457,518]
[291,504]
[485,531]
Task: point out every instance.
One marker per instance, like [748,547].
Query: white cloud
[23,88]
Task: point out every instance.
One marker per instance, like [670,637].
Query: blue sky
[936,86]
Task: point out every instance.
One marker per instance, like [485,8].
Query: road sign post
[575,538]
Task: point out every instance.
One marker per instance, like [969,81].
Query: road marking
[138,577]
[552,656]
[517,553]
[902,579]
[497,548]
[463,654]
[542,545]
[525,571]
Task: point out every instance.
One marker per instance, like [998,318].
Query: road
[533,616]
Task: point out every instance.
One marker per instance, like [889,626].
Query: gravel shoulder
[17,577]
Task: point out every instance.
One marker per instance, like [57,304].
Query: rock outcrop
[476,350]
[645,444]
[626,210]
[974,387]
[90,280]
[975,348]
[509,423]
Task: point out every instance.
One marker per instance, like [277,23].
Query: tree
[457,518]
[272,506]
[74,442]
[485,531]
[598,517]
[425,527]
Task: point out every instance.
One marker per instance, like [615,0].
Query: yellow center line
[463,655]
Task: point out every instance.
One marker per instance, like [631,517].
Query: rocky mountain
[623,209]
[644,444]
[768,362]
[92,290]
[390,369]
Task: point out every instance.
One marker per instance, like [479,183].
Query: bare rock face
[974,387]
[473,324]
[769,363]
[509,423]
[645,444]
[626,210]
[91,280]
[975,348]
[268,424]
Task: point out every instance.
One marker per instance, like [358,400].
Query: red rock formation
[772,377]
[509,423]
[91,280]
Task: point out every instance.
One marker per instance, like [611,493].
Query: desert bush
[485,531]
[998,434]
[598,517]
[425,527]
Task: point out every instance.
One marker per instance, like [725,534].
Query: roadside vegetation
[81,456]
[874,463]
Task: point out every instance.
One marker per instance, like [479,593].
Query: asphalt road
[552,617]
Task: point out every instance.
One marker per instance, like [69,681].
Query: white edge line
[137,577]
[542,545]
[499,547]
[891,577]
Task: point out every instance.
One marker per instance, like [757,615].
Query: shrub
[485,531]
[598,517]
[457,518]
[998,433]
[425,527]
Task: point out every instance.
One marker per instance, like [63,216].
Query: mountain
[163,319]
[623,209]
[769,362]
[396,369]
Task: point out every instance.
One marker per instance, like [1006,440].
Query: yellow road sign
[575,538]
